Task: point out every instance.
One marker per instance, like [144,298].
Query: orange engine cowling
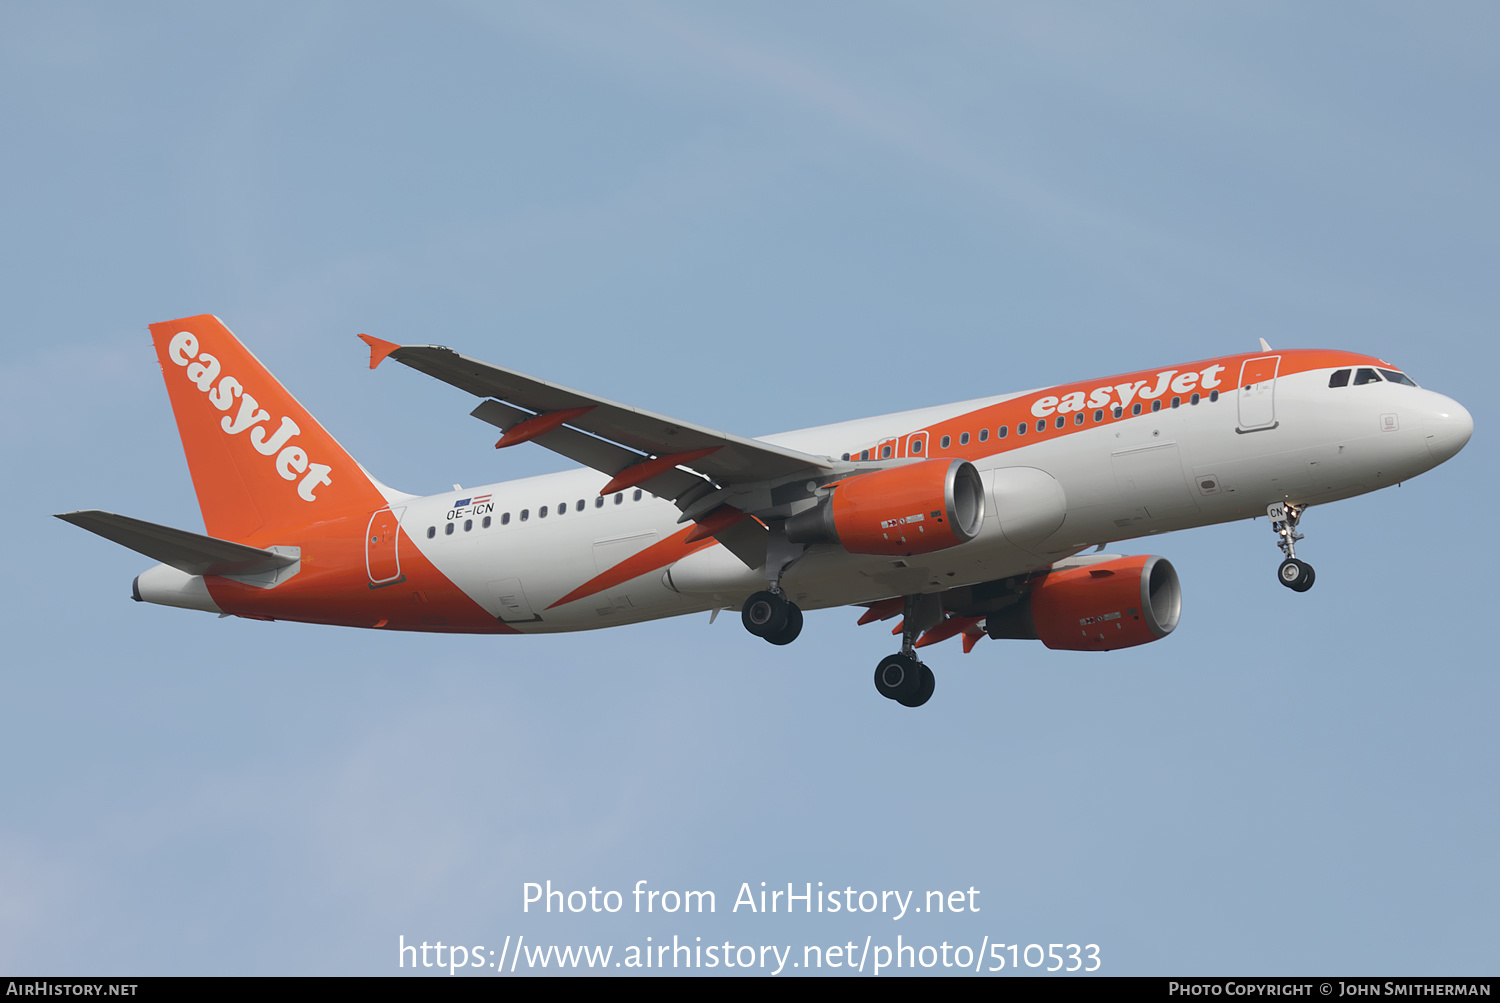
[1113,604]
[916,508]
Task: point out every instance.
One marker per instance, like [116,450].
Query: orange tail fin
[259,460]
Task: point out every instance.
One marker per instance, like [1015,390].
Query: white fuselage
[1047,497]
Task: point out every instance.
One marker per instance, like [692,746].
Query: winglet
[378,349]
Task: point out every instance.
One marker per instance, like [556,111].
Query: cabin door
[382,542]
[1257,393]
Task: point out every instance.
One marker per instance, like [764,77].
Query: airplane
[980,518]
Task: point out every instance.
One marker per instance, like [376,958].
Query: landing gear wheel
[1296,575]
[899,678]
[765,614]
[793,627]
[924,690]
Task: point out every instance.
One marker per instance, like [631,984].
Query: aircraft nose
[1448,427]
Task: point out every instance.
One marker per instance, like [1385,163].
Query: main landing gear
[773,616]
[1294,574]
[769,613]
[900,677]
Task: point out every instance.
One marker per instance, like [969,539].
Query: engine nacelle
[917,508]
[1114,604]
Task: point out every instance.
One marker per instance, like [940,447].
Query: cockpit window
[1396,377]
[1365,376]
[1339,379]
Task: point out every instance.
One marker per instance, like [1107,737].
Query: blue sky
[758,217]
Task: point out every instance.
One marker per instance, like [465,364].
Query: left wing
[713,476]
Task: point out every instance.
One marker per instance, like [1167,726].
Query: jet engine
[917,508]
[1113,604]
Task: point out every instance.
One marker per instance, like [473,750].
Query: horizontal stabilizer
[193,553]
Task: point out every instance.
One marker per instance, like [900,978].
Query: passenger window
[1339,379]
[1365,376]
[1021,428]
[1119,412]
[945,442]
[562,509]
[468,525]
[984,435]
[525,514]
[1396,377]
[885,452]
[1099,415]
[638,494]
[541,513]
[1135,409]
[916,447]
[1041,426]
[1061,421]
[1177,402]
[1213,395]
[580,505]
[1002,431]
[431,532]
[599,502]
[1078,418]
[505,519]
[486,523]
[1156,405]
[619,497]
[448,529]
[963,439]
[1194,399]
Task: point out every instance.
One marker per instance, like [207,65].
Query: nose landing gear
[1294,574]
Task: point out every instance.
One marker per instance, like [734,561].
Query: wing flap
[192,553]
